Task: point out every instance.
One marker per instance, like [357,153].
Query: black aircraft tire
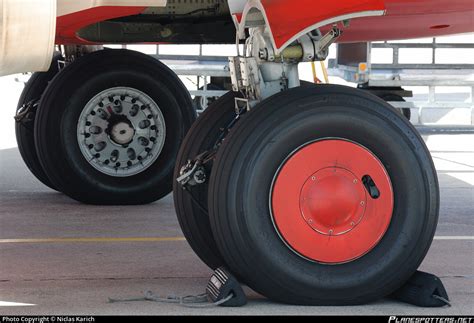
[24,130]
[243,214]
[122,176]
[191,204]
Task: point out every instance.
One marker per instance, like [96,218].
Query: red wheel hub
[322,207]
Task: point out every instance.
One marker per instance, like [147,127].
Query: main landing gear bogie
[322,195]
[108,128]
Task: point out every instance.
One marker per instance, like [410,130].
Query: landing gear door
[289,20]
[27,33]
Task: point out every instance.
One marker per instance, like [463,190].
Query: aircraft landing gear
[320,195]
[109,126]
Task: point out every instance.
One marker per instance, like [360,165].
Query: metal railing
[354,64]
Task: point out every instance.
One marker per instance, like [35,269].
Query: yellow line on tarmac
[69,240]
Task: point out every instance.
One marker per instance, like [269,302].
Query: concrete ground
[59,256]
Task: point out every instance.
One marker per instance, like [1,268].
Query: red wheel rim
[321,207]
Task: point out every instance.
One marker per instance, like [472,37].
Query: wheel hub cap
[122,133]
[332,201]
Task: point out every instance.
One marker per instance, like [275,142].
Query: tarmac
[58,256]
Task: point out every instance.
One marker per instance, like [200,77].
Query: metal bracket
[321,46]
[241,104]
[192,174]
[23,115]
[194,171]
[262,74]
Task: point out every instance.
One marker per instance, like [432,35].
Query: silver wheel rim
[121,131]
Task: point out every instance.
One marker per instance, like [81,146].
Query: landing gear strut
[322,195]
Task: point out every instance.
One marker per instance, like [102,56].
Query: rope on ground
[192,301]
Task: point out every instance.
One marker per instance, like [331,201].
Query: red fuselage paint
[404,18]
